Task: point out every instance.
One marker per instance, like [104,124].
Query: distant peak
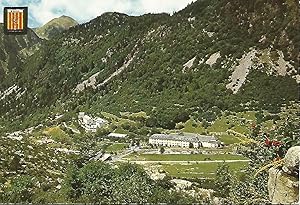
[68,17]
[55,26]
[63,18]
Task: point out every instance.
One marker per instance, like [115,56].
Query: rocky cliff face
[283,184]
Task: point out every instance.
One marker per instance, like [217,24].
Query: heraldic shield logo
[15,20]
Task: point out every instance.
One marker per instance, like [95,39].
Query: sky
[42,11]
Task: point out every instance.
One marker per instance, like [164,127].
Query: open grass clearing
[229,139]
[220,125]
[205,170]
[241,129]
[184,157]
[193,127]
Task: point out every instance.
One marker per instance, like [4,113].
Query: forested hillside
[14,50]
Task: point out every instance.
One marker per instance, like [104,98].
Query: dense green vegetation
[159,45]
[97,182]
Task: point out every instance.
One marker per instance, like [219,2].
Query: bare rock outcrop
[283,184]
[292,161]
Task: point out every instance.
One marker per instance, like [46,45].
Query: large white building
[184,140]
[89,123]
[117,135]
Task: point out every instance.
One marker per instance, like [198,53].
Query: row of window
[172,143]
[181,144]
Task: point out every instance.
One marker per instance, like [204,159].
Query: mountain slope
[213,55]
[55,26]
[13,50]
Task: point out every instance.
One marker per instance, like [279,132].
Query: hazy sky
[42,11]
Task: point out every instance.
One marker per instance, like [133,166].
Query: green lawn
[220,125]
[241,129]
[223,123]
[117,147]
[229,139]
[183,157]
[201,170]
